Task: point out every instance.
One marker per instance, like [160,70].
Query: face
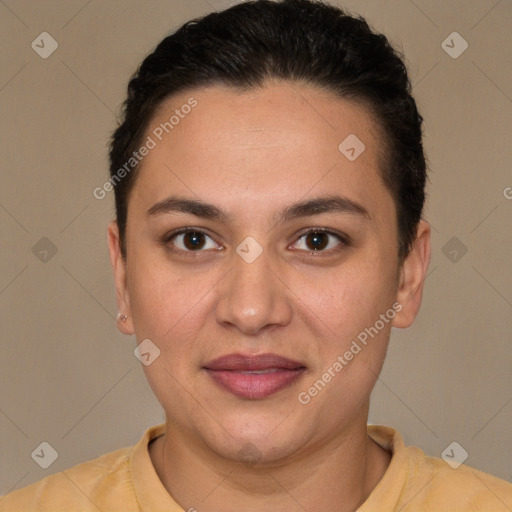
[259,255]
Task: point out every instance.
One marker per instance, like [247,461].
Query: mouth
[254,377]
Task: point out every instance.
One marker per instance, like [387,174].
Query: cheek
[168,303]
[169,308]
[353,337]
[349,298]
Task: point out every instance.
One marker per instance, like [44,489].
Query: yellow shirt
[126,481]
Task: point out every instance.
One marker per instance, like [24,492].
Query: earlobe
[124,319]
[412,277]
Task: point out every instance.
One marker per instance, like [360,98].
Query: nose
[253,296]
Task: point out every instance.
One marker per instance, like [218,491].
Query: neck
[337,475]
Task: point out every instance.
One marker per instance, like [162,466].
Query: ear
[412,278]
[119,268]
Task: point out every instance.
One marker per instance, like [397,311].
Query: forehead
[273,114]
[261,145]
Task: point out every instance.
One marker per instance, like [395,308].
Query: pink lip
[235,373]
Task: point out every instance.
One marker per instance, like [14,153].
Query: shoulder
[80,488]
[415,481]
[465,487]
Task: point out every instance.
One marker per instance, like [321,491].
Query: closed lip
[253,377]
[248,363]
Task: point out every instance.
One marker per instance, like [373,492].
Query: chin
[262,452]
[252,439]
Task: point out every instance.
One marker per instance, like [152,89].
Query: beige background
[69,378]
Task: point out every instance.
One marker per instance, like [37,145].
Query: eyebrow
[316,206]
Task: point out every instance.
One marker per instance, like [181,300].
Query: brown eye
[321,240]
[193,240]
[189,241]
[317,241]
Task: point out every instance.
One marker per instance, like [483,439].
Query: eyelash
[342,238]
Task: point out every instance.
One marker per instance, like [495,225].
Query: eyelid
[169,236]
[342,238]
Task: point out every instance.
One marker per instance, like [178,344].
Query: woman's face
[234,274]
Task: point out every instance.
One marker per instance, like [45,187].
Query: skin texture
[252,154]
